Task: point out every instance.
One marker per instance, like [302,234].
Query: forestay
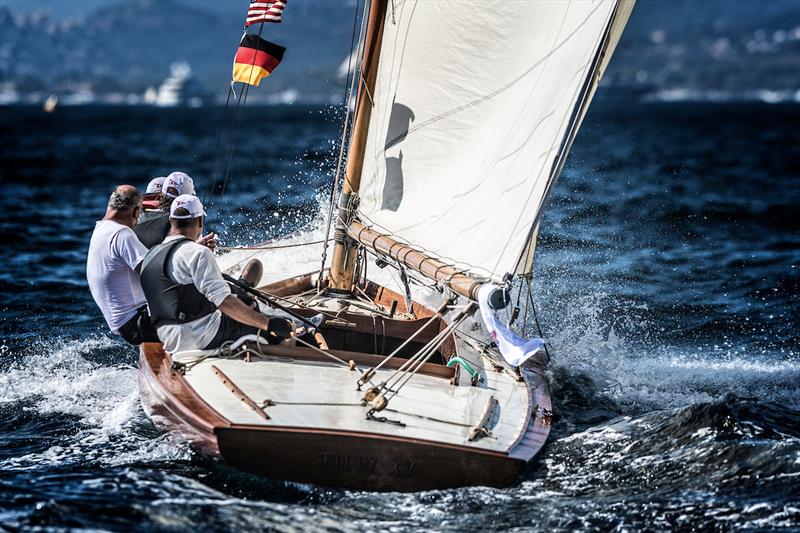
[475,107]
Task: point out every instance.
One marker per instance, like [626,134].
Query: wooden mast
[343,258]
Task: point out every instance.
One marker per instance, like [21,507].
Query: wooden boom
[460,283]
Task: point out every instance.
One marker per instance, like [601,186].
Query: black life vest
[152,228]
[169,302]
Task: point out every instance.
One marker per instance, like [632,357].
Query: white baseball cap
[155,185]
[189,202]
[178,183]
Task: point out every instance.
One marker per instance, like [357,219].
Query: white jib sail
[475,104]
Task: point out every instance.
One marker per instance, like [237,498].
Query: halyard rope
[350,83]
[413,365]
[270,247]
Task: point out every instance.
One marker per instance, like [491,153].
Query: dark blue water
[668,281]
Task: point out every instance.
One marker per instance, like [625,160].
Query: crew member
[190,303]
[154,225]
[115,255]
[151,201]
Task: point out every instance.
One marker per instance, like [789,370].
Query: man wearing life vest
[190,303]
[154,224]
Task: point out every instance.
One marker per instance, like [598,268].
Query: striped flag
[264,11]
[256,59]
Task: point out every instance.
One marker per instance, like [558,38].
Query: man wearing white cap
[154,225]
[190,303]
[151,201]
[156,185]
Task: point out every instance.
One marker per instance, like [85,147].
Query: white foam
[636,369]
[58,378]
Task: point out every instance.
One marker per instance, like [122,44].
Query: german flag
[256,59]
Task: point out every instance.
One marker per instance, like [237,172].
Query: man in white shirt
[115,255]
[190,303]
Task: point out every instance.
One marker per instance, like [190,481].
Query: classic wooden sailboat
[464,117]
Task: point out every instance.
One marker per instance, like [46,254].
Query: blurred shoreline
[12,99]
[169,53]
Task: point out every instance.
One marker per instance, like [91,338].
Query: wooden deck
[297,416]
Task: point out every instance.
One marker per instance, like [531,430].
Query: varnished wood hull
[330,458]
[361,461]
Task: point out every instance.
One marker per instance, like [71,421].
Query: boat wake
[685,427]
[75,407]
[605,359]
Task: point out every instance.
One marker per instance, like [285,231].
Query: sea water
[667,284]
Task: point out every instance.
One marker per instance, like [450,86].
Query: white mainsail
[475,107]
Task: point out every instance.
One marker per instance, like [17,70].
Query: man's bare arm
[237,310]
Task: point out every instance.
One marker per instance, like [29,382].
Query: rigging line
[527,301]
[261,340]
[217,151]
[365,297]
[536,319]
[374,333]
[235,137]
[431,350]
[217,353]
[431,418]
[482,345]
[416,280]
[220,155]
[268,298]
[424,357]
[271,403]
[323,352]
[273,247]
[241,102]
[425,353]
[350,82]
[400,372]
[397,350]
[366,89]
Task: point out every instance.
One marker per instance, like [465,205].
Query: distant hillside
[732,47]
[131,47]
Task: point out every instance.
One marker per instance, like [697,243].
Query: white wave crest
[640,369]
[58,377]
